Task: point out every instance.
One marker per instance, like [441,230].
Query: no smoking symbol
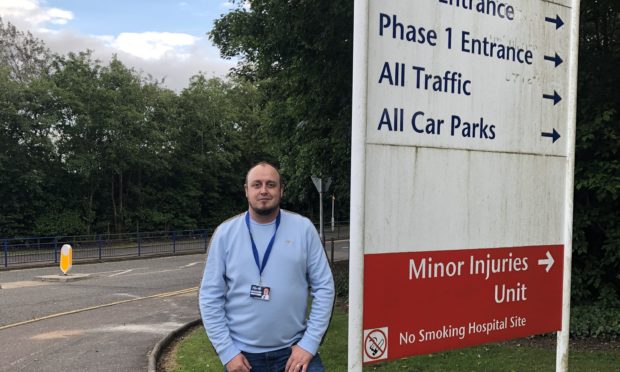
[375,344]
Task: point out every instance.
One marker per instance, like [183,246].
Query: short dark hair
[263,163]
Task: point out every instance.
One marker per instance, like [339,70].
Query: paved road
[108,322]
[147,299]
[116,338]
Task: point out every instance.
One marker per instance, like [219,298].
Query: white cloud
[30,14]
[152,45]
[230,5]
[173,57]
[176,72]
[18,6]
[107,39]
[59,16]
[173,67]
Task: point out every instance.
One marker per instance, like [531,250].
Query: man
[265,295]
[273,249]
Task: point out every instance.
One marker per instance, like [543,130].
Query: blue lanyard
[254,250]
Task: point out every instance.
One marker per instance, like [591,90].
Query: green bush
[341,279]
[594,321]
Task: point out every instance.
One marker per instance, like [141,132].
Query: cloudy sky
[164,38]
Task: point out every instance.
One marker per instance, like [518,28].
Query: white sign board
[462,151]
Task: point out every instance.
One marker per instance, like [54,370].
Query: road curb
[63,278]
[159,347]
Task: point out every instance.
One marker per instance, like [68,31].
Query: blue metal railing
[22,252]
[5,249]
[45,250]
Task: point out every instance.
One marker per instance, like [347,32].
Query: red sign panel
[426,302]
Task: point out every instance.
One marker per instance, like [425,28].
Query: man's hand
[299,359]
[238,364]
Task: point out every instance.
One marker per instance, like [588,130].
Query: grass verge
[195,353]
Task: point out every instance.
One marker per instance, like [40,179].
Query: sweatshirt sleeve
[321,282]
[211,300]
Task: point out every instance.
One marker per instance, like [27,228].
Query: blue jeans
[275,361]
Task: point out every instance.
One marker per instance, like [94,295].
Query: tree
[80,134]
[115,139]
[89,148]
[299,55]
[29,163]
[596,259]
[126,129]
[149,206]
[25,56]
[214,141]
[27,151]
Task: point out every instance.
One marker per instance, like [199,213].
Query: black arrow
[557,20]
[555,97]
[555,135]
[557,60]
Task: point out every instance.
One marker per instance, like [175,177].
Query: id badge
[260,292]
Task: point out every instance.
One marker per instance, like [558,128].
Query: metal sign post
[462,164]
[321,187]
[333,204]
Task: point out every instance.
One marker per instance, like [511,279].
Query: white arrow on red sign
[547,261]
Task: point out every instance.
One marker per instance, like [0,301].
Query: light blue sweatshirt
[296,267]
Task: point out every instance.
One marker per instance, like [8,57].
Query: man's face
[263,189]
